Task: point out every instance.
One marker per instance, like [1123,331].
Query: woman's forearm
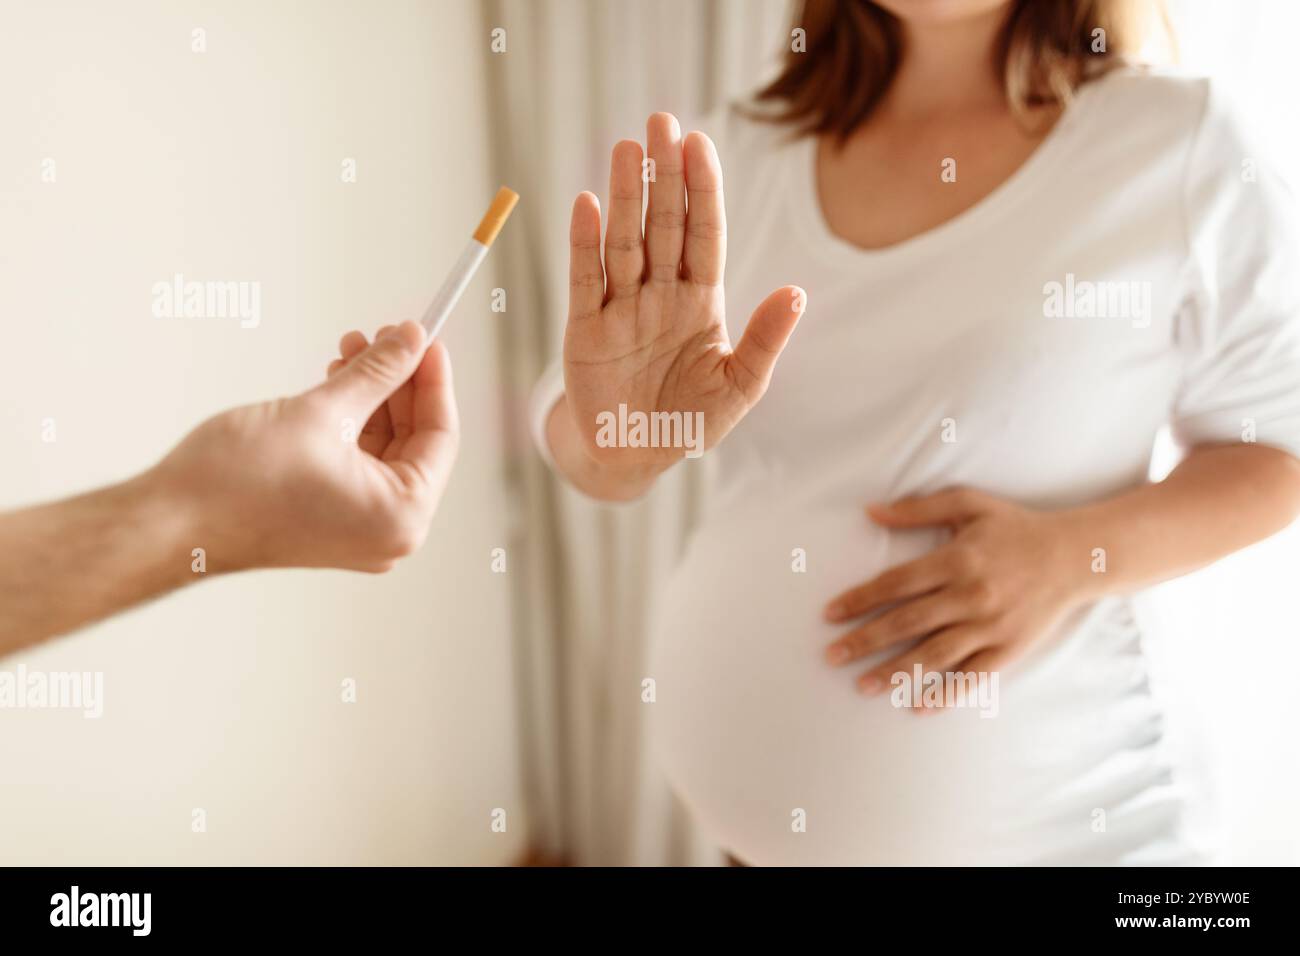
[603,480]
[1220,499]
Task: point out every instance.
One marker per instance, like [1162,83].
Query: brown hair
[853,47]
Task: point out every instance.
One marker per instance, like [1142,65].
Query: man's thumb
[371,377]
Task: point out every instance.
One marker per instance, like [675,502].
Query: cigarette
[454,285]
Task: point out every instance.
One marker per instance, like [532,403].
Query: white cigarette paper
[475,251]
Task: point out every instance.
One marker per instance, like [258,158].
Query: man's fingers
[378,371]
[586,275]
[351,345]
[624,248]
[665,220]
[394,416]
[433,396]
[705,251]
[431,447]
[766,335]
[377,433]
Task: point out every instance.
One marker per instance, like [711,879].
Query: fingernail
[837,654]
[413,340]
[834,611]
[870,685]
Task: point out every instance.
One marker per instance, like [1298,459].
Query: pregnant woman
[1023,258]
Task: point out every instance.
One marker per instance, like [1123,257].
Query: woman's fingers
[952,507]
[765,336]
[989,660]
[665,221]
[904,622]
[586,275]
[897,584]
[624,249]
[939,654]
[704,254]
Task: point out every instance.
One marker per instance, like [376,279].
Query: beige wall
[225,165]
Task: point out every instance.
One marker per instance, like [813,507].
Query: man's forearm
[66,564]
[1220,499]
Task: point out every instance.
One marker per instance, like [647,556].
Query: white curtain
[577,75]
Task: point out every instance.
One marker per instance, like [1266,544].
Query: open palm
[646,329]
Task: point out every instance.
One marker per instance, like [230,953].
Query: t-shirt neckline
[807,211]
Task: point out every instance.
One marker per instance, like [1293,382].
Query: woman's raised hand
[646,328]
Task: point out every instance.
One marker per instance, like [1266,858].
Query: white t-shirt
[1138,271]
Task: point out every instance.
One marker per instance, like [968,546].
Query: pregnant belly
[784,763]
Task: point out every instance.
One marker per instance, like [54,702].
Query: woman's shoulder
[1196,123]
[1170,102]
[744,124]
[1153,86]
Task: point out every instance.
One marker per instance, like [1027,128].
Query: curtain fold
[576,76]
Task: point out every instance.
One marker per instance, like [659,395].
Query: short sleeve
[548,390]
[1241,324]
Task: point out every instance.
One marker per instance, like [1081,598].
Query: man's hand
[346,475]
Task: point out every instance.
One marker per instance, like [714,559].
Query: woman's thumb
[766,335]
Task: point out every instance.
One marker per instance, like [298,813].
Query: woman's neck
[947,67]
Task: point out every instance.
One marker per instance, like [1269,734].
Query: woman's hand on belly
[1006,577]
[646,347]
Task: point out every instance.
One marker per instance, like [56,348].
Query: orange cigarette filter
[475,251]
[496,215]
